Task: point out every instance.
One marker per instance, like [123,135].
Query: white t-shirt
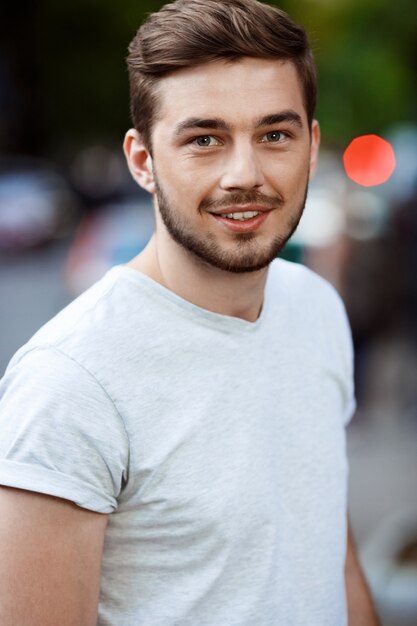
[216,445]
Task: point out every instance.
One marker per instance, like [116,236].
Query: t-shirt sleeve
[350,406]
[345,350]
[60,432]
[335,341]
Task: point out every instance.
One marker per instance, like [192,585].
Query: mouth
[241,213]
[241,219]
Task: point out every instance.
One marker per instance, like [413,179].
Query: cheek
[201,176]
[183,191]
[288,183]
[291,172]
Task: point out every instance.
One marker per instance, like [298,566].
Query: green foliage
[367,62]
[366,53]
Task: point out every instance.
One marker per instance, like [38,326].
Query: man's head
[187,33]
[223,97]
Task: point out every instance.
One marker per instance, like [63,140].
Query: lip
[242,209]
[247,226]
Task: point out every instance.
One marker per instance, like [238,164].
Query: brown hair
[191,32]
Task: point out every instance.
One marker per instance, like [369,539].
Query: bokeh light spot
[369,160]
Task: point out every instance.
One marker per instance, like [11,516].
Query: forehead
[239,92]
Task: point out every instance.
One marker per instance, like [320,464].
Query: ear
[139,160]
[314,147]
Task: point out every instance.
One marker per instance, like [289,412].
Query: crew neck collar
[218,320]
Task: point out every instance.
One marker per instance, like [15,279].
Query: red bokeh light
[369,160]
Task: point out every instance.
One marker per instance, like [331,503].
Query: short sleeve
[60,433]
[346,354]
[336,344]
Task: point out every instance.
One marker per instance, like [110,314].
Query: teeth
[241,216]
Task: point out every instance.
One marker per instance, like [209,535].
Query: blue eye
[274,136]
[205,141]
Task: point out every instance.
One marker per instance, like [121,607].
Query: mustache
[242,198]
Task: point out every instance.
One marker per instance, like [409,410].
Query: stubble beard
[248,255]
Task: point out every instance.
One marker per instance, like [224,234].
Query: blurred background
[69,211]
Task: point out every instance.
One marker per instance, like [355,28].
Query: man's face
[232,138]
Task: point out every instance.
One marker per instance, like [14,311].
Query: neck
[226,293]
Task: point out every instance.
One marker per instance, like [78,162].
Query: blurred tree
[367,62]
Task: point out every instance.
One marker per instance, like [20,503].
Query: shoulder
[60,329]
[316,318]
[85,332]
[313,307]
[303,284]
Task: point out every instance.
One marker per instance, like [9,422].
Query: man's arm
[361,610]
[50,560]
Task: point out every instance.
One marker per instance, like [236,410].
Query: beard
[248,254]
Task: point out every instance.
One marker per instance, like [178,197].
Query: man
[172,443]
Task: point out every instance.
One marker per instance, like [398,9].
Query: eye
[205,141]
[275,136]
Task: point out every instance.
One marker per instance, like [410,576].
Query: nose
[242,169]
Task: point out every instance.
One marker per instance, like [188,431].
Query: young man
[173,442]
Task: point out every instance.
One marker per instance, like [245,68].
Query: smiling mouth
[242,213]
[241,216]
[241,221]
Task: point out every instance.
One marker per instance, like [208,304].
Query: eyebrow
[277,118]
[216,123]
